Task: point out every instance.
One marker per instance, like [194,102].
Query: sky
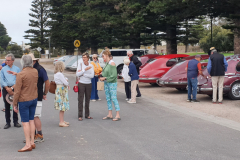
[14,16]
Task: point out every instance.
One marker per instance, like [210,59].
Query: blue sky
[14,16]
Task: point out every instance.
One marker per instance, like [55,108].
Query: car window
[119,53]
[138,53]
[171,62]
[238,67]
[146,51]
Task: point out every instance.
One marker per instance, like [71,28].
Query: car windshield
[138,53]
[73,60]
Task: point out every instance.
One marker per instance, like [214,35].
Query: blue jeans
[94,93]
[27,110]
[192,88]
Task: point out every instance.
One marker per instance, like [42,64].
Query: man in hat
[193,70]
[8,83]
[209,52]
[42,94]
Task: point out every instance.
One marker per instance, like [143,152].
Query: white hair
[26,61]
[126,61]
[11,55]
[129,52]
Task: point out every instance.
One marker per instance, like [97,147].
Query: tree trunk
[171,39]
[186,48]
[135,41]
[94,50]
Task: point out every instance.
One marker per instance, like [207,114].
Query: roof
[169,56]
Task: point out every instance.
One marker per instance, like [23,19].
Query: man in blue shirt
[8,83]
[217,66]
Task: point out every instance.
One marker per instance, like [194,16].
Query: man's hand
[45,97]
[13,73]
[79,70]
[9,90]
[15,108]
[88,68]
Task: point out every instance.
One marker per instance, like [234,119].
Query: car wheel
[154,84]
[119,70]
[181,89]
[234,91]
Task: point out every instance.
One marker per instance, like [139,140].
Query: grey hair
[26,61]
[213,51]
[11,55]
[130,52]
[126,61]
[94,55]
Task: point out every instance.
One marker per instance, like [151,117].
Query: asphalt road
[146,131]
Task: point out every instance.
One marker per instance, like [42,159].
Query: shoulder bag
[53,87]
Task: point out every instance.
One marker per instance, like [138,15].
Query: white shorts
[38,111]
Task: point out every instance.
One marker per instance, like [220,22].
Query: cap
[33,57]
[198,56]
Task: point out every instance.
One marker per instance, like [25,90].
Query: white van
[118,57]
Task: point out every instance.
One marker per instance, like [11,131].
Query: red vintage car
[146,58]
[158,66]
[176,77]
[231,86]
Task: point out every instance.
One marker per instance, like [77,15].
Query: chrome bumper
[148,78]
[171,83]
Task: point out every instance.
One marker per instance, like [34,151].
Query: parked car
[231,85]
[176,77]
[145,59]
[118,57]
[72,61]
[158,66]
[74,66]
[63,59]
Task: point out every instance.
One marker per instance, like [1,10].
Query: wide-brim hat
[9,99]
[212,48]
[33,57]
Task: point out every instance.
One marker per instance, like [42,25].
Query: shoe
[219,102]
[67,123]
[38,138]
[214,102]
[195,101]
[7,126]
[17,125]
[33,146]
[25,150]
[93,100]
[127,99]
[189,100]
[131,102]
[139,96]
[63,125]
[99,99]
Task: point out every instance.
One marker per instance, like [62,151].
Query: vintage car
[146,58]
[176,77]
[158,66]
[231,85]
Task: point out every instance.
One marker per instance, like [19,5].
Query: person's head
[129,54]
[10,59]
[59,67]
[110,56]
[106,48]
[26,61]
[126,61]
[33,58]
[95,57]
[198,57]
[106,55]
[85,57]
[213,51]
[212,48]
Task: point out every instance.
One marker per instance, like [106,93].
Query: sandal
[80,119]
[63,125]
[67,123]
[116,119]
[89,117]
[105,118]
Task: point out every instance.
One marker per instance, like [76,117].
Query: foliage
[4,38]
[222,40]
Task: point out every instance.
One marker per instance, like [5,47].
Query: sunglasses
[94,57]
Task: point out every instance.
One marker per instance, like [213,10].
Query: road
[146,131]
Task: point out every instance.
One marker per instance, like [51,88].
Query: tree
[4,38]
[39,35]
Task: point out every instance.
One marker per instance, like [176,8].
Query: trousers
[84,90]
[111,95]
[217,82]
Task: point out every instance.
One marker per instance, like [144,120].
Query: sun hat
[33,57]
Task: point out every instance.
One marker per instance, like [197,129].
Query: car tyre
[234,91]
[119,70]
[181,89]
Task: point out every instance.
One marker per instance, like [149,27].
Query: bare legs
[38,123]
[29,131]
[110,116]
[61,117]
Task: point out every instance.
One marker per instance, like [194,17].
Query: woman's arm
[17,90]
[63,79]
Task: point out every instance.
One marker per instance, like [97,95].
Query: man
[8,84]
[193,69]
[137,63]
[210,50]
[217,66]
[42,78]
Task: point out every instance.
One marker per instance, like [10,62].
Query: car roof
[169,56]
[150,55]
[205,56]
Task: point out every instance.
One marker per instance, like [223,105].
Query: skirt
[61,101]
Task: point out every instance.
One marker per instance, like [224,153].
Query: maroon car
[146,58]
[176,77]
[231,85]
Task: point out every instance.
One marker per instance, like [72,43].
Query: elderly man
[217,66]
[137,63]
[8,84]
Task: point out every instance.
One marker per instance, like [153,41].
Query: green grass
[193,54]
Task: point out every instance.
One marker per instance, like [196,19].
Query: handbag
[75,88]
[53,87]
[100,86]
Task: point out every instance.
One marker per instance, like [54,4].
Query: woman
[109,76]
[25,94]
[85,73]
[61,101]
[97,70]
[127,79]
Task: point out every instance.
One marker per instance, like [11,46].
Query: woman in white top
[127,79]
[61,101]
[85,73]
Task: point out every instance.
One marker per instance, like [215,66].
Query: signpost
[77,44]
[39,49]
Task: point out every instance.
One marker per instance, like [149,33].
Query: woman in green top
[109,74]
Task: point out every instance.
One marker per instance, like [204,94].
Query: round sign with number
[77,43]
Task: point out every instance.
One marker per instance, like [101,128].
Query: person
[97,70]
[61,101]
[217,66]
[25,94]
[85,73]
[42,94]
[210,50]
[138,64]
[8,84]
[111,57]
[134,79]
[109,76]
[127,79]
[193,69]
[3,64]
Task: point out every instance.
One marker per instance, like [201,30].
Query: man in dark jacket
[217,66]
[137,63]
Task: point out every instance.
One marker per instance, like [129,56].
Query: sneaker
[38,138]
[189,100]
[131,102]
[127,99]
[93,100]
[195,101]
[99,99]
[219,102]
[138,96]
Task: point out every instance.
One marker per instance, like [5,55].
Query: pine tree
[4,38]
[39,35]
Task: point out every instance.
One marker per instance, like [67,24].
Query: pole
[49,48]
[77,58]
[211,32]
